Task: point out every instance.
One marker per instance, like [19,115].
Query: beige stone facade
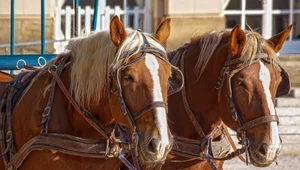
[188,18]
[184,28]
[26,30]
[27,25]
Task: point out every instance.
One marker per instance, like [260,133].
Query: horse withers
[231,77]
[105,97]
[5,77]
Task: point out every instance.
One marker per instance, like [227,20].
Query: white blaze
[265,77]
[160,115]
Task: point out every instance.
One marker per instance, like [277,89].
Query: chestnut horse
[231,76]
[5,77]
[110,100]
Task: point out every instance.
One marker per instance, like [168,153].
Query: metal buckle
[46,111]
[117,150]
[135,140]
[8,136]
[52,66]
[246,143]
[123,105]
[107,149]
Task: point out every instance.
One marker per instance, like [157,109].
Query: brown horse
[231,76]
[5,77]
[119,82]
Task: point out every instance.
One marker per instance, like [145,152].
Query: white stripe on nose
[265,77]
[160,115]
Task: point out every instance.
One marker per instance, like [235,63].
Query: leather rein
[200,151]
[111,146]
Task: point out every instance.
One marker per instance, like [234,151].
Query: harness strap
[65,144]
[149,107]
[85,114]
[4,148]
[186,104]
[47,111]
[258,121]
[232,143]
[9,134]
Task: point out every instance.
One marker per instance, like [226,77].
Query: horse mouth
[151,160]
[260,160]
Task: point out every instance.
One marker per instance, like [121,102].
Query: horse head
[250,81]
[231,76]
[141,80]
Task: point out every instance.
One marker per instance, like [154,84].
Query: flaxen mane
[210,41]
[93,56]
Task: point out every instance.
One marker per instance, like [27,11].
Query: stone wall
[27,24]
[291,63]
[184,28]
[27,29]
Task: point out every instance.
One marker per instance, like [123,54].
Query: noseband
[228,73]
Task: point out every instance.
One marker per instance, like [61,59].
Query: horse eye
[241,83]
[129,78]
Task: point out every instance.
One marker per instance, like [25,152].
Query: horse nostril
[264,149]
[152,146]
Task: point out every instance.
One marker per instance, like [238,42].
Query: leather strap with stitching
[63,143]
[258,121]
[149,107]
[85,114]
[186,104]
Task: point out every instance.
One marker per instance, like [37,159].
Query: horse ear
[237,41]
[163,31]
[117,31]
[277,40]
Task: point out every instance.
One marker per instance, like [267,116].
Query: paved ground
[285,162]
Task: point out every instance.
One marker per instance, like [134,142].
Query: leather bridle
[225,76]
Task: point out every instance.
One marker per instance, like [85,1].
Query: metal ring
[39,61]
[247,143]
[8,136]
[17,64]
[52,66]
[44,131]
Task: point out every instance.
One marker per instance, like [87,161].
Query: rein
[111,146]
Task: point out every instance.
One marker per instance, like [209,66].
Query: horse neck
[201,95]
[77,124]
